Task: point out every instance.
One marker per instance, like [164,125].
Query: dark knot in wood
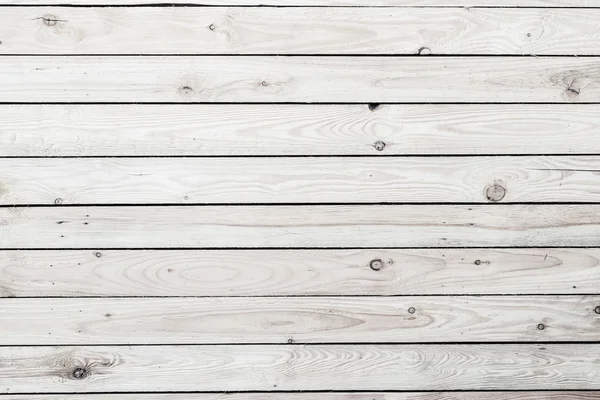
[424,51]
[597,310]
[379,145]
[373,106]
[541,327]
[411,310]
[98,254]
[376,265]
[58,201]
[79,373]
[495,193]
[212,27]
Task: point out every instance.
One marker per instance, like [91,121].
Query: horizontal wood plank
[300,226]
[378,272]
[253,79]
[299,30]
[516,395]
[304,129]
[329,3]
[279,320]
[307,367]
[299,180]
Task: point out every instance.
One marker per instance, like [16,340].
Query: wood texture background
[300,199]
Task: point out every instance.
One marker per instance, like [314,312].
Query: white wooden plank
[298,30]
[545,395]
[300,226]
[326,3]
[292,367]
[234,129]
[279,320]
[43,79]
[58,273]
[299,180]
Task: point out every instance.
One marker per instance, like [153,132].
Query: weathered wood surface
[300,226]
[377,272]
[545,395]
[279,320]
[255,79]
[300,180]
[299,30]
[302,129]
[329,3]
[305,367]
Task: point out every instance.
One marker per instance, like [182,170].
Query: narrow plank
[299,180]
[545,395]
[300,226]
[184,79]
[298,30]
[330,3]
[59,273]
[304,129]
[279,320]
[308,367]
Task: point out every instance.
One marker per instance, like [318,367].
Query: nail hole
[379,145]
[597,310]
[528,34]
[495,193]
[212,27]
[98,254]
[411,310]
[58,201]
[477,262]
[376,265]
[290,341]
[541,327]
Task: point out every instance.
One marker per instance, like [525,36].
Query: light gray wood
[259,320]
[299,79]
[298,272]
[298,30]
[234,129]
[300,226]
[299,180]
[305,367]
[329,3]
[546,395]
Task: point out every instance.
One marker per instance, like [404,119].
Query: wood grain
[253,79]
[259,320]
[546,395]
[304,129]
[331,3]
[300,180]
[298,30]
[307,367]
[300,226]
[297,272]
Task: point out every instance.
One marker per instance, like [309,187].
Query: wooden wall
[300,199]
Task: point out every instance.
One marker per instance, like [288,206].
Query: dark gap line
[183,392]
[294,55]
[320,296]
[233,248]
[237,344]
[200,5]
[287,103]
[230,156]
[292,204]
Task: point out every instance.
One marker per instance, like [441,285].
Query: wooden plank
[307,367]
[328,129]
[300,226]
[42,273]
[184,79]
[298,30]
[300,180]
[545,395]
[279,320]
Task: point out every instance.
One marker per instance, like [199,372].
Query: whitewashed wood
[298,30]
[297,272]
[234,320]
[304,129]
[299,180]
[300,226]
[329,3]
[546,395]
[299,79]
[307,367]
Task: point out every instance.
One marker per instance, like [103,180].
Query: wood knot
[290,341]
[49,20]
[212,27]
[58,201]
[541,327]
[264,83]
[424,51]
[186,90]
[379,145]
[477,262]
[373,106]
[597,310]
[79,373]
[495,193]
[98,254]
[376,264]
[411,310]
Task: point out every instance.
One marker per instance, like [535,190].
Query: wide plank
[299,180]
[51,130]
[305,367]
[300,226]
[299,30]
[377,272]
[515,395]
[279,320]
[273,79]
